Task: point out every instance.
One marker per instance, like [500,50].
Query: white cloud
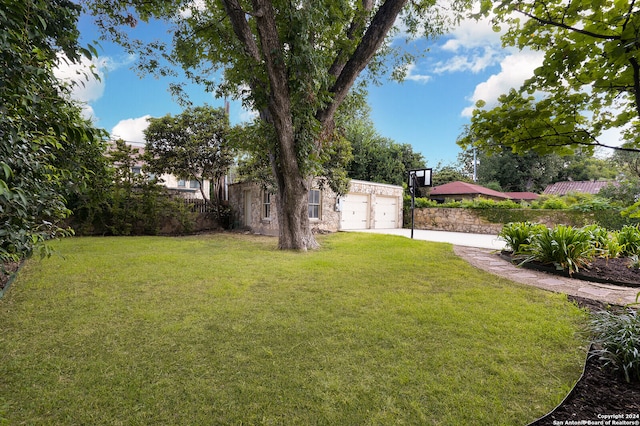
[87,78]
[515,69]
[471,33]
[131,129]
[476,61]
[413,76]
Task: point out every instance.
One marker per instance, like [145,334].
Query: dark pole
[412,188]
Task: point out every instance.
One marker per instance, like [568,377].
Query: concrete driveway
[455,238]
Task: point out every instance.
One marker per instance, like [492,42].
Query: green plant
[618,338]
[518,235]
[629,239]
[634,262]
[566,247]
[592,204]
[604,241]
[554,204]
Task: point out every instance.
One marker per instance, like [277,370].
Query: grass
[226,329]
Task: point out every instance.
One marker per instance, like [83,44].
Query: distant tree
[628,163]
[194,144]
[293,62]
[519,173]
[582,166]
[46,147]
[442,174]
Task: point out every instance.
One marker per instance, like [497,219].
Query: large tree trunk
[294,231]
[293,192]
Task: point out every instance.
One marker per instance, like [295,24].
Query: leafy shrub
[594,204]
[618,338]
[554,204]
[604,241]
[485,203]
[519,234]
[629,239]
[564,246]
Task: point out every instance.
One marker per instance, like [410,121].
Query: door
[355,212]
[386,212]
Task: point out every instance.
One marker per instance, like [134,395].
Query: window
[136,170]
[194,184]
[266,205]
[314,204]
[181,183]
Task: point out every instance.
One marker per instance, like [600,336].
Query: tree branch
[371,41]
[238,19]
[553,23]
[357,24]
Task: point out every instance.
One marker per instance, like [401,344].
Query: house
[519,197]
[584,187]
[189,189]
[459,191]
[367,205]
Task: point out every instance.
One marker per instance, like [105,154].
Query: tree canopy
[589,81]
[194,144]
[294,62]
[46,147]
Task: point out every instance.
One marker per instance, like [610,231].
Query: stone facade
[253,209]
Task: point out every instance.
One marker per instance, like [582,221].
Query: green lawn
[226,329]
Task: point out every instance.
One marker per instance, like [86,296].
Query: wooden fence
[198,206]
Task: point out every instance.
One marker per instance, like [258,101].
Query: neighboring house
[368,205]
[584,186]
[522,196]
[189,189]
[459,191]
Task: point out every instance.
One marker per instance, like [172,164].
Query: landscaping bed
[616,271]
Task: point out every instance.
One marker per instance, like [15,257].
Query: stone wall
[454,220]
[474,221]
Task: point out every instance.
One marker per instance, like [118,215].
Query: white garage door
[386,212]
[355,211]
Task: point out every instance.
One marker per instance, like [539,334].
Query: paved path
[481,251]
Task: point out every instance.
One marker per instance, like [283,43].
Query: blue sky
[427,111]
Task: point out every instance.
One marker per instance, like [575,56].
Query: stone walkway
[489,261]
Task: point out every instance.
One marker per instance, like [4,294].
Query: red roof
[522,195]
[585,186]
[464,188]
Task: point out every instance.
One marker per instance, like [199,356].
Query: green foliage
[448,173]
[566,247]
[485,203]
[553,203]
[617,335]
[623,193]
[194,144]
[594,204]
[585,85]
[629,239]
[519,235]
[46,147]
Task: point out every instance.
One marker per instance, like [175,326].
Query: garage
[385,212]
[355,212]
